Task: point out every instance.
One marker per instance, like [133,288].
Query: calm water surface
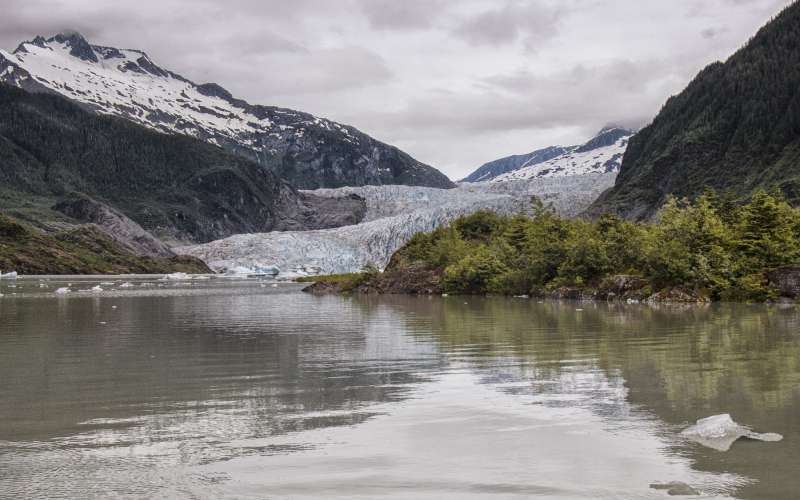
[237,389]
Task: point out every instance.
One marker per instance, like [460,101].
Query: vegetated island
[709,249]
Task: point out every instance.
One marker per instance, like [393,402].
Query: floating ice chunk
[719,432]
[177,276]
[127,285]
[9,276]
[62,291]
[96,289]
[266,270]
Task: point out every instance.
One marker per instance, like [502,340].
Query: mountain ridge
[600,154]
[735,128]
[309,151]
[175,186]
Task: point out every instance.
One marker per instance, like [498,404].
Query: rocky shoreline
[418,280]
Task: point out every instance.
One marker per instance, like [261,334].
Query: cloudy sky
[455,83]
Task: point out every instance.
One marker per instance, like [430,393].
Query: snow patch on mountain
[126,82]
[601,154]
[314,151]
[394,215]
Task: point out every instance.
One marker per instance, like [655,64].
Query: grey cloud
[402,15]
[534,21]
[457,83]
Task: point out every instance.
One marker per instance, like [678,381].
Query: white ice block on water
[720,432]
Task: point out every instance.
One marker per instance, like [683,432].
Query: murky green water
[232,389]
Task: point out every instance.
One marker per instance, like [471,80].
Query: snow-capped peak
[127,83]
[601,154]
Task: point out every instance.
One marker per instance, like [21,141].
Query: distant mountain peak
[611,127]
[77,44]
[601,154]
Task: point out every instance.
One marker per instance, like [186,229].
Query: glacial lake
[238,389]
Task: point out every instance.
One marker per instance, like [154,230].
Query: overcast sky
[455,83]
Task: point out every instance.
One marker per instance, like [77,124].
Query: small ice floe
[9,276]
[96,289]
[177,276]
[675,488]
[523,296]
[445,295]
[719,432]
[42,285]
[274,285]
[62,291]
[113,307]
[107,283]
[127,285]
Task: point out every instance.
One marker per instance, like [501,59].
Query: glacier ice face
[394,214]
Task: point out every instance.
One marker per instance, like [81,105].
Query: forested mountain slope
[172,185]
[735,128]
[308,151]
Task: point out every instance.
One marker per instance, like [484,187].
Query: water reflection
[680,363]
[231,389]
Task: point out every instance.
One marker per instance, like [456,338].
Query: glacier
[394,214]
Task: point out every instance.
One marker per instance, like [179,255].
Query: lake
[239,389]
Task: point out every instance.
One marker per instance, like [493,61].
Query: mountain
[601,154]
[52,151]
[736,127]
[308,151]
[489,171]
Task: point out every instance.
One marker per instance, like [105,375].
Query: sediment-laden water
[240,389]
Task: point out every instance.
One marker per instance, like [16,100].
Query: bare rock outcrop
[120,228]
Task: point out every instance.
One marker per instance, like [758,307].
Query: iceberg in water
[177,276]
[719,432]
[252,270]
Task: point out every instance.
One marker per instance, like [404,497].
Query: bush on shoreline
[710,247]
